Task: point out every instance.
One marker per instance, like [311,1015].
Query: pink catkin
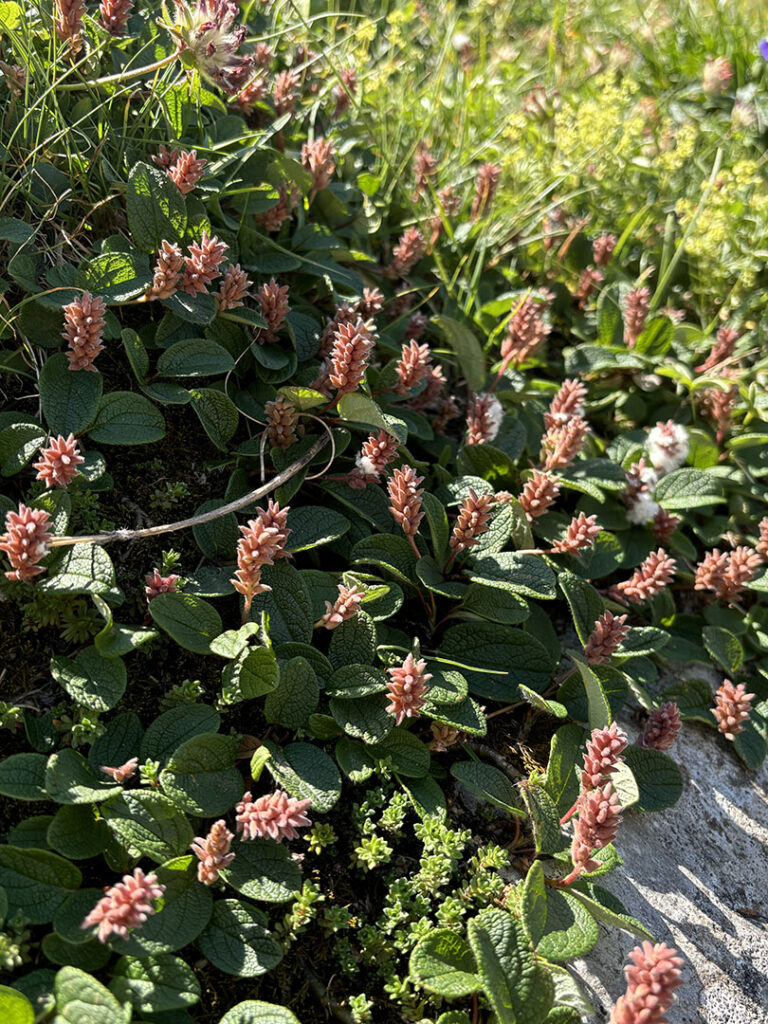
[562,443]
[411,368]
[424,169]
[159,584]
[234,288]
[662,727]
[652,979]
[59,461]
[345,607]
[474,520]
[589,280]
[450,204]
[125,905]
[186,171]
[272,816]
[253,91]
[568,404]
[213,852]
[727,573]
[285,91]
[539,493]
[407,253]
[732,707]
[202,265]
[168,270]
[124,772]
[717,404]
[345,313]
[486,183]
[602,249]
[605,638]
[725,343]
[84,320]
[374,457]
[649,579]
[664,524]
[581,533]
[344,91]
[407,689]
[405,499]
[25,541]
[484,416]
[602,756]
[69,22]
[426,399]
[288,199]
[317,158]
[349,356]
[526,333]
[262,542]
[371,303]
[114,15]
[636,306]
[599,816]
[273,300]
[166,158]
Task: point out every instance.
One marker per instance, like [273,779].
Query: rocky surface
[696,875]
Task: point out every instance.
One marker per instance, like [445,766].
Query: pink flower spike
[317,158]
[407,688]
[213,852]
[125,905]
[484,416]
[234,287]
[662,727]
[539,493]
[186,171]
[602,756]
[352,347]
[581,533]
[474,520]
[168,269]
[345,607]
[599,816]
[732,708]
[25,542]
[374,457]
[273,299]
[84,320]
[157,584]
[202,264]
[636,306]
[652,978]
[405,500]
[649,579]
[274,816]
[59,461]
[114,15]
[486,183]
[608,633]
[407,253]
[412,366]
[262,542]
[124,772]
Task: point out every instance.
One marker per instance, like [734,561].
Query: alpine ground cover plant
[372,491]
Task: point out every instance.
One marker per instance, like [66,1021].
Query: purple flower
[763,48]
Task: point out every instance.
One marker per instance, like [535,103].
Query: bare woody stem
[205,517]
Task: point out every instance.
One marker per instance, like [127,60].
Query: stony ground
[697,877]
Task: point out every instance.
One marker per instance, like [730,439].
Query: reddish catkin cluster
[114,15]
[602,756]
[664,524]
[484,416]
[373,458]
[652,978]
[168,268]
[602,249]
[415,327]
[282,420]
[599,816]
[234,288]
[449,205]
[424,169]
[526,333]
[589,280]
[567,404]
[202,265]
[717,405]
[539,493]
[25,541]
[69,22]
[372,302]
[59,461]
[412,366]
[725,343]
[288,199]
[405,500]
[285,91]
[253,91]
[123,773]
[486,183]
[605,638]
[272,816]
[407,687]
[317,158]
[562,443]
[273,300]
[186,171]
[345,313]
[429,397]
[263,541]
[662,727]
[636,306]
[84,319]
[125,905]
[725,573]
[581,533]
[407,253]
[649,579]
[474,520]
[156,584]
[732,707]
[213,852]
[344,92]
[346,606]
[352,344]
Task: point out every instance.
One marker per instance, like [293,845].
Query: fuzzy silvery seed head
[209,41]
[641,509]
[668,446]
